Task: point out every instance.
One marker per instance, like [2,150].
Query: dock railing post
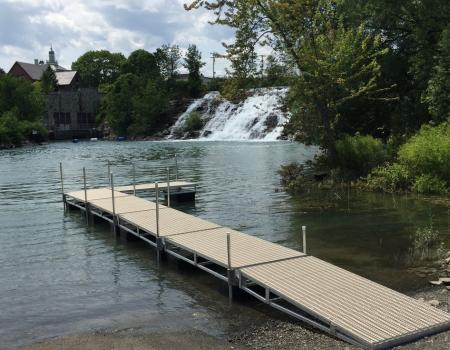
[304,239]
[134,180]
[168,187]
[109,173]
[86,205]
[230,286]
[158,242]
[62,184]
[176,167]
[111,181]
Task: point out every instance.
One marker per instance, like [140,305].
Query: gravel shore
[274,334]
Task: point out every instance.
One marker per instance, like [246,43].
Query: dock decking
[334,300]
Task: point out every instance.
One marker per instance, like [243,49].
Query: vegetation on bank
[365,76]
[21,111]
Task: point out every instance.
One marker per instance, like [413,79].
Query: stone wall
[71,114]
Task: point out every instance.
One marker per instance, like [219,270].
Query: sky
[29,27]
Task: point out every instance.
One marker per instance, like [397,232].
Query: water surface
[58,276]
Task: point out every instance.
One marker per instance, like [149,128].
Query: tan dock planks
[367,310]
[124,204]
[373,315]
[244,249]
[151,186]
[95,193]
[171,222]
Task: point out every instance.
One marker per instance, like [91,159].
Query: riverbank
[286,334]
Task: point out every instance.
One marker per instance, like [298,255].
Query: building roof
[35,71]
[65,77]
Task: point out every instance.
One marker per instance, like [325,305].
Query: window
[61,118]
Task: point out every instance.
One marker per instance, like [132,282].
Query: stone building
[71,109]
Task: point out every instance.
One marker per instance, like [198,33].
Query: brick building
[71,109]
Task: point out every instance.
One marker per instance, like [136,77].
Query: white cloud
[74,27]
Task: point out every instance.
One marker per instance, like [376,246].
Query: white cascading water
[261,116]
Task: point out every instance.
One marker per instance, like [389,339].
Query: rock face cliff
[260,116]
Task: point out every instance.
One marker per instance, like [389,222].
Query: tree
[168,59]
[193,63]
[2,72]
[118,103]
[21,109]
[411,30]
[142,63]
[337,65]
[99,67]
[49,83]
[438,90]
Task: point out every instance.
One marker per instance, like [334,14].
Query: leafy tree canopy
[49,83]
[168,59]
[99,67]
[142,63]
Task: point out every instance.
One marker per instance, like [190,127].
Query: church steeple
[51,57]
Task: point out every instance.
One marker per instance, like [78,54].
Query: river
[58,276]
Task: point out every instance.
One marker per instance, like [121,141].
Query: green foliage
[423,164]
[2,72]
[389,178]
[438,90]
[426,244]
[359,153]
[141,63]
[193,122]
[168,60]
[134,105]
[99,67]
[193,63]
[290,172]
[429,184]
[49,83]
[233,90]
[21,109]
[428,152]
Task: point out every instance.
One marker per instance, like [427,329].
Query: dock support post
[229,271]
[62,185]
[304,239]
[176,167]
[115,225]
[168,187]
[109,173]
[134,180]
[158,239]
[86,204]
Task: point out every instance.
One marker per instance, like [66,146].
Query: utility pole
[214,65]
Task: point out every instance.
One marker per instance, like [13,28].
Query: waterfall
[260,116]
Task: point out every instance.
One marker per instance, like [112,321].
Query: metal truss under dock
[334,300]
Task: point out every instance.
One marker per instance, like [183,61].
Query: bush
[193,122]
[429,184]
[428,152]
[360,153]
[290,172]
[389,178]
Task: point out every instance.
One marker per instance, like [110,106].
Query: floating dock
[327,297]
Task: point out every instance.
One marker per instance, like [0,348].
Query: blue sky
[28,27]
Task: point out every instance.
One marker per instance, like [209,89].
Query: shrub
[290,172]
[193,122]
[389,178]
[360,153]
[428,152]
[429,184]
